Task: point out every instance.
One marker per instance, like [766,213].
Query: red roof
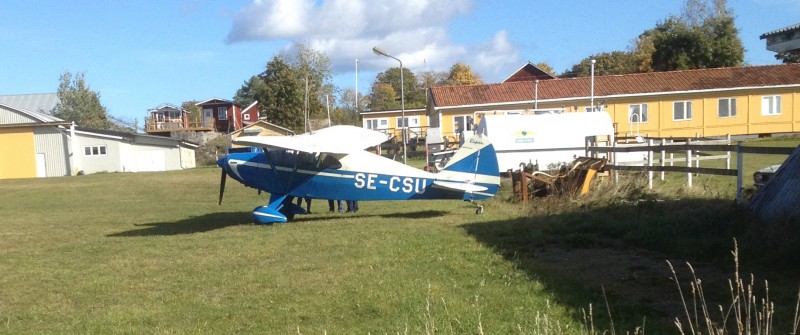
[630,84]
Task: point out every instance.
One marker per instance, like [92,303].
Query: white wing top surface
[336,139]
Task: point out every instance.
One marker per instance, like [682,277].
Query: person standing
[352,206]
[330,205]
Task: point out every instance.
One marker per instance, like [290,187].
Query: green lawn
[154,253]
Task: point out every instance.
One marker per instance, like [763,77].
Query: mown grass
[153,253]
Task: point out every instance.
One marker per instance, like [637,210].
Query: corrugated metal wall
[54,144]
[8,116]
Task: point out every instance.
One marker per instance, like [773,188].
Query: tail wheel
[479,211]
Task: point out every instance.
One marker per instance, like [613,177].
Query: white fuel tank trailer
[548,139]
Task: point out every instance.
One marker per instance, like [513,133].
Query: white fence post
[663,143]
[739,172]
[650,163]
[688,162]
[728,160]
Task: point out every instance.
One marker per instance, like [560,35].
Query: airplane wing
[464,187]
[336,139]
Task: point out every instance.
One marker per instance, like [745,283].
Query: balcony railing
[177,125]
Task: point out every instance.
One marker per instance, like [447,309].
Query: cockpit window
[328,161]
[305,160]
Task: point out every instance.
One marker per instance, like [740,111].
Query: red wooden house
[227,115]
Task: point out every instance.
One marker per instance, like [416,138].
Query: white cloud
[495,57]
[414,31]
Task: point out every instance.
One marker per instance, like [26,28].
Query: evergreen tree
[78,103]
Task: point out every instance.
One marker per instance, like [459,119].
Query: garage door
[151,160]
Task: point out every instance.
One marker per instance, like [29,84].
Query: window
[173,114]
[97,150]
[247,117]
[222,113]
[637,113]
[771,105]
[376,124]
[726,107]
[681,110]
[462,123]
[595,109]
[412,121]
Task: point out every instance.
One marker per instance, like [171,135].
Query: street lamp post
[378,51]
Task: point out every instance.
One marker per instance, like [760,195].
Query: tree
[282,97]
[607,63]
[428,79]
[281,89]
[713,44]
[195,113]
[247,93]
[701,38]
[413,95]
[461,74]
[314,66]
[545,67]
[78,103]
[641,50]
[383,97]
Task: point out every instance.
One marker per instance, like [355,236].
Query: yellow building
[260,128]
[32,144]
[707,102]
[390,122]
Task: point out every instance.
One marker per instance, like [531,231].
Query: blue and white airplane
[332,163]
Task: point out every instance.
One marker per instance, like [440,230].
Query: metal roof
[779,198]
[44,103]
[778,31]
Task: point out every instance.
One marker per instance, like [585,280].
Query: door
[41,165]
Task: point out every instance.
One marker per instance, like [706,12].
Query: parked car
[761,176]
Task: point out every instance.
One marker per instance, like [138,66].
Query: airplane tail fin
[475,163]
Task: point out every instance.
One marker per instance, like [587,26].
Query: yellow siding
[17,156]
[705,120]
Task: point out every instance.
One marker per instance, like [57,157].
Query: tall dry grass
[750,310]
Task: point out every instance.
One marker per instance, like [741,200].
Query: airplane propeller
[222,185]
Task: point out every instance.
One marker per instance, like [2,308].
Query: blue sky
[139,54]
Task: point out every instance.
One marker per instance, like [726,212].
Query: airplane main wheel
[479,211]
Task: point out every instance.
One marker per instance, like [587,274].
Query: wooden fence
[695,151]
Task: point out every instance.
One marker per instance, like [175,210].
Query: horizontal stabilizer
[463,187]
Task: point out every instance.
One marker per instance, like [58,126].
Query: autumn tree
[461,74]
[78,103]
[545,67]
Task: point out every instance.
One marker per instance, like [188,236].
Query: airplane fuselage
[333,176]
